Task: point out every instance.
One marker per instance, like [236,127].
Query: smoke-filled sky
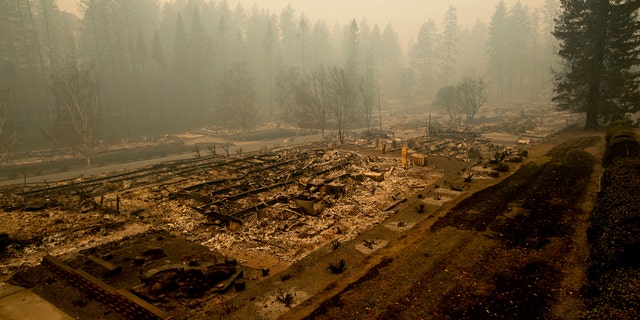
[406,16]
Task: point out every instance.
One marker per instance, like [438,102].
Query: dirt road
[242,146]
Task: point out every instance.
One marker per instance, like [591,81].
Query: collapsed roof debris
[308,199]
[279,205]
[262,211]
[257,192]
[254,202]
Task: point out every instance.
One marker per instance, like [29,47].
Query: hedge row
[621,143]
[614,234]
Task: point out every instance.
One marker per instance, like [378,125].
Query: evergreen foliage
[599,42]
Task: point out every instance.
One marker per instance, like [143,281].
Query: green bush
[621,142]
[614,234]
[621,148]
[618,131]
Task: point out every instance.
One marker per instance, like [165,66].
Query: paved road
[94,171]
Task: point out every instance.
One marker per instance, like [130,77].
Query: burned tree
[342,99]
[313,97]
[367,90]
[77,107]
[8,133]
[472,94]
[448,101]
[239,99]
[288,96]
[407,83]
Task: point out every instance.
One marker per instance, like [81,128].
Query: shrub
[621,142]
[501,167]
[339,267]
[618,131]
[614,234]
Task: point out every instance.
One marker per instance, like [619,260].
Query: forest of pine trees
[195,63]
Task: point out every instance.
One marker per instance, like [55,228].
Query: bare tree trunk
[46,25]
[35,36]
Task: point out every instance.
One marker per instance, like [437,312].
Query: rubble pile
[303,201]
[283,204]
[463,146]
[533,122]
[522,125]
[192,280]
[52,228]
[159,235]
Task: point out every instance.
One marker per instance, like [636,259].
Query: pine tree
[449,44]
[423,58]
[288,32]
[351,47]
[498,48]
[599,43]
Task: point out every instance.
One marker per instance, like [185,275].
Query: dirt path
[515,250]
[125,164]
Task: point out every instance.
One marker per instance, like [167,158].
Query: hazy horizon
[156,74]
[402,14]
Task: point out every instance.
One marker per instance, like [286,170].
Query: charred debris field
[315,232]
[502,252]
[544,243]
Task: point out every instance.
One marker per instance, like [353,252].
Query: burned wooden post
[225,147]
[404,157]
[108,268]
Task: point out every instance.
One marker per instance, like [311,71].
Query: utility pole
[379,109]
[429,123]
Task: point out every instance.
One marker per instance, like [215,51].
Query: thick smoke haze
[152,67]
[406,16]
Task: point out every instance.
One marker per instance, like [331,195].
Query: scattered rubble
[261,211]
[267,210]
[258,203]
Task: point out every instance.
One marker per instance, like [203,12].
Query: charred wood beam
[220,181]
[241,213]
[275,165]
[109,268]
[240,186]
[395,204]
[223,217]
[210,183]
[258,190]
[289,180]
[170,169]
[186,195]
